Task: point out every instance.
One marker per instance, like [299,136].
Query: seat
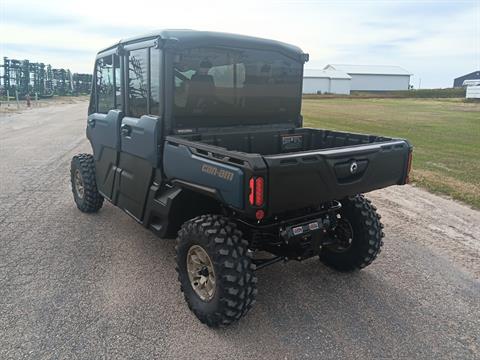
[201,93]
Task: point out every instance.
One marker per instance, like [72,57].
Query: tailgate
[299,180]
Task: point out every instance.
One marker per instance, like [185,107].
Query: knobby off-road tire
[235,281]
[360,218]
[84,185]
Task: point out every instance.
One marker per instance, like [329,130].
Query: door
[140,130]
[104,120]
[138,159]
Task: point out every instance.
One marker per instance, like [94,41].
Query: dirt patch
[447,227]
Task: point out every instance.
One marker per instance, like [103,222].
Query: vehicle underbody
[297,236]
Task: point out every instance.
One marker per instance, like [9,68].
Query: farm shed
[375,77]
[458,82]
[317,81]
[473,89]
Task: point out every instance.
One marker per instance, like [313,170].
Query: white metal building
[473,89]
[317,81]
[375,77]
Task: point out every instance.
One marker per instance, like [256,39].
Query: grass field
[445,134]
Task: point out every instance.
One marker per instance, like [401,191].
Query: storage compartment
[270,142]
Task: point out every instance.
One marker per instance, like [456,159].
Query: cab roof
[183,38]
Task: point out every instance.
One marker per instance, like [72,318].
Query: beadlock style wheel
[215,270]
[201,273]
[79,184]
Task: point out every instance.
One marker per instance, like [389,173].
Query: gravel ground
[101,286]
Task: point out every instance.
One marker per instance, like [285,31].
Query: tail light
[409,166]
[251,196]
[259,191]
[257,188]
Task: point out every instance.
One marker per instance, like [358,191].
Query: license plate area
[304,229]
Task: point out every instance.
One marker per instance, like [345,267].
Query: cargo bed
[307,167]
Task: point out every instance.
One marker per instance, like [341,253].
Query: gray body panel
[107,128]
[138,159]
[179,163]
[103,131]
[139,137]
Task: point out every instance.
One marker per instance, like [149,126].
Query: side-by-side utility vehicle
[199,135]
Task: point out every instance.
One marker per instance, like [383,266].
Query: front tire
[215,270]
[84,185]
[358,234]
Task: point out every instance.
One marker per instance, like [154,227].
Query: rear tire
[84,185]
[227,259]
[360,233]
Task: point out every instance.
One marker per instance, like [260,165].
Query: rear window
[216,86]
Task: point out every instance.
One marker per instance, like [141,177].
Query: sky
[436,41]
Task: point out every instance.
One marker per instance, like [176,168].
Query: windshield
[222,87]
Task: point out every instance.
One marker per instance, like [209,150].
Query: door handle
[126,130]
[91,122]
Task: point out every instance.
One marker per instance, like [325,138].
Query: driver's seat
[201,92]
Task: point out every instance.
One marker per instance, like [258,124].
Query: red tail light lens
[259,191]
[256,186]
[251,196]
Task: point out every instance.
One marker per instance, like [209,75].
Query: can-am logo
[221,173]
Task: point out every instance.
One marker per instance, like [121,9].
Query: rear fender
[168,209]
[218,180]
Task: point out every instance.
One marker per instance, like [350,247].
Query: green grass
[445,134]
[422,93]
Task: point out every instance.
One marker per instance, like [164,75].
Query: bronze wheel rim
[201,273]
[79,187]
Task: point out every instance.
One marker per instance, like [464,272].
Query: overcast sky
[435,40]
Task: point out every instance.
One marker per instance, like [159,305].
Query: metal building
[473,89]
[318,81]
[375,77]
[458,82]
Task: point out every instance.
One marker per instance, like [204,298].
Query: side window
[118,82]
[138,82]
[155,81]
[104,84]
